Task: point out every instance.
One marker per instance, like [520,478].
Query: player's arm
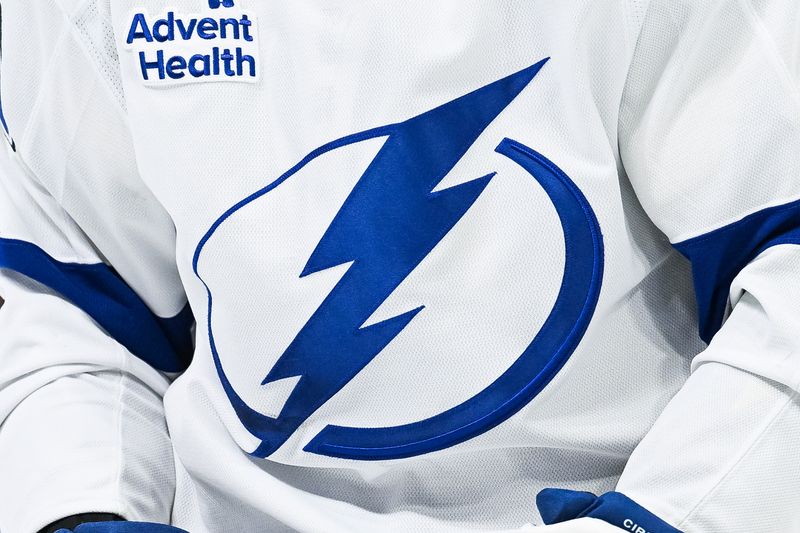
[82,428]
[710,138]
[92,328]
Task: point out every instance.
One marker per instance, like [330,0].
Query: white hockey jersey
[352,266]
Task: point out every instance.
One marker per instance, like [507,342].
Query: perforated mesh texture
[93,23]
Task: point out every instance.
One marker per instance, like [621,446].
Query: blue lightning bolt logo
[393,218]
[387,226]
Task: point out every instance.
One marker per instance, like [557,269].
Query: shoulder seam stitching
[780,63]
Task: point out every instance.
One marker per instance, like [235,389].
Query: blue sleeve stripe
[164,343]
[717,257]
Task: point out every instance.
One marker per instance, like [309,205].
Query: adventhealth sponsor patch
[215,45]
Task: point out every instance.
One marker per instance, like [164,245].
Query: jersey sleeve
[710,139]
[95,323]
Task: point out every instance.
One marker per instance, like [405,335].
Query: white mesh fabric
[147,471]
[93,23]
[726,439]
[729,505]
[56,455]
[708,123]
[764,320]
[47,224]
[70,409]
[638,8]
[69,403]
[72,135]
[709,134]
[38,47]
[780,21]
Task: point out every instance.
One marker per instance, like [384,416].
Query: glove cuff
[557,505]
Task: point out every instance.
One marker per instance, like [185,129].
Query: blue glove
[122,527]
[559,505]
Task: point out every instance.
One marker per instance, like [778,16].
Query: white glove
[581,525]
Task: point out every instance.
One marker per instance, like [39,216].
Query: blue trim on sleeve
[164,343]
[717,257]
